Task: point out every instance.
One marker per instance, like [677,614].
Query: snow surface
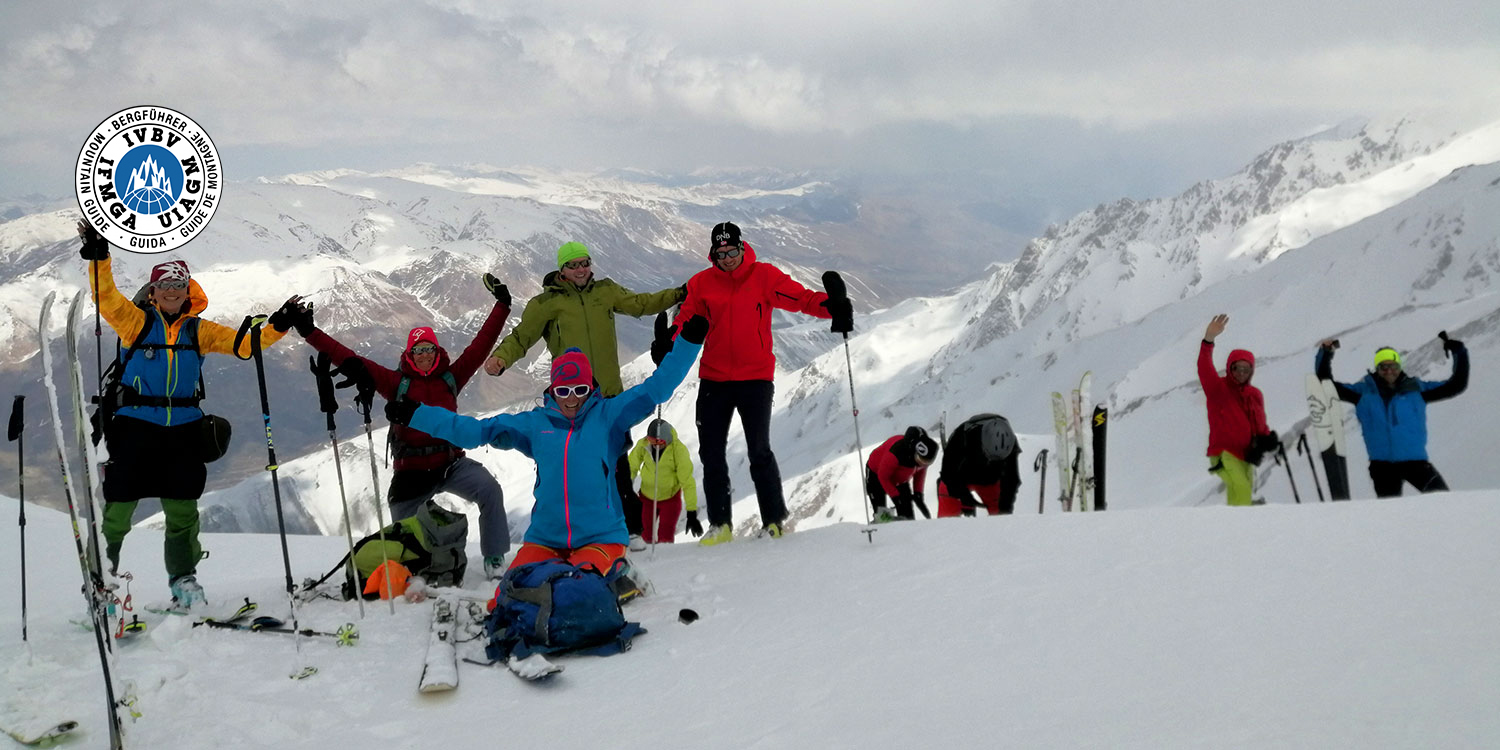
[1365,624]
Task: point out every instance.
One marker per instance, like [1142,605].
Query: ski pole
[1040,464]
[17,421]
[329,404]
[1303,448]
[252,325]
[1284,461]
[833,284]
[364,401]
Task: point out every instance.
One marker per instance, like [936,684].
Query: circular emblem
[148,179]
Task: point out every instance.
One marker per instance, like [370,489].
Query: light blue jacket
[576,502]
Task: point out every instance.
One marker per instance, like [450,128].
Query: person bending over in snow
[574,437]
[426,465]
[1237,433]
[1392,411]
[666,471]
[577,310]
[898,470]
[157,436]
[982,458]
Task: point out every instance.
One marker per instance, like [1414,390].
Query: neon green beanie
[1387,354]
[571,251]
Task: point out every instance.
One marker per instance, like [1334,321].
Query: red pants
[667,512]
[950,506]
[600,557]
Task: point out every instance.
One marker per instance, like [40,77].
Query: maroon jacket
[431,389]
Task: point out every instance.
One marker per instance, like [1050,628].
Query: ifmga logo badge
[148,179]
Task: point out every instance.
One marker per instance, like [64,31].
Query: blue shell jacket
[576,502]
[1393,419]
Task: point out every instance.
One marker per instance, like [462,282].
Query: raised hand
[1215,327]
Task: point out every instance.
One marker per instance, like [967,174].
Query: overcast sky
[1069,102]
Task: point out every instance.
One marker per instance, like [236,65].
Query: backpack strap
[396,445]
[540,595]
[405,384]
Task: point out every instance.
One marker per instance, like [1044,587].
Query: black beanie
[725,234]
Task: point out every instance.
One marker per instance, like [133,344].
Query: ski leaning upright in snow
[93,584]
[1083,444]
[1065,459]
[1328,432]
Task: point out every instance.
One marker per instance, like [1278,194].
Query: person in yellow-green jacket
[576,310]
[158,437]
[666,470]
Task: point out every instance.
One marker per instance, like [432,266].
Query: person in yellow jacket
[666,470]
[157,437]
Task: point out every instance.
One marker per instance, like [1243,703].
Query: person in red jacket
[898,470]
[1237,433]
[737,295]
[425,465]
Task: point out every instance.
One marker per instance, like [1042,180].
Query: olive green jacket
[567,316]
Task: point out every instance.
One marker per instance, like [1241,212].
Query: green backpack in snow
[430,544]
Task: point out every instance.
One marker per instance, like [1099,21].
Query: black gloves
[1450,345]
[1260,446]
[663,341]
[294,313]
[497,289]
[400,411]
[693,527]
[355,373]
[695,330]
[838,304]
[682,294]
[95,247]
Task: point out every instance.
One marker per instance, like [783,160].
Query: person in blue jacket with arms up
[575,437]
[1392,411]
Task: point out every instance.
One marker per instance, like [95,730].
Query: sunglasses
[566,391]
[423,349]
[576,264]
[171,285]
[733,252]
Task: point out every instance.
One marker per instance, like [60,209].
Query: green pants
[180,550]
[1238,476]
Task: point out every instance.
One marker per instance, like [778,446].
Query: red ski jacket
[1236,413]
[891,472]
[738,307]
[417,450]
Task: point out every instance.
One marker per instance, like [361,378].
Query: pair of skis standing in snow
[1390,405]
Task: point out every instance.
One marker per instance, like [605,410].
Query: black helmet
[995,435]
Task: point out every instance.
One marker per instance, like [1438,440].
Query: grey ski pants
[468,479]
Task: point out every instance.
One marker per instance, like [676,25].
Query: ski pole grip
[17,419]
[251,321]
[833,285]
[327,402]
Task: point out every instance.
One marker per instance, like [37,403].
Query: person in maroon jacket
[1237,433]
[737,295]
[898,470]
[425,465]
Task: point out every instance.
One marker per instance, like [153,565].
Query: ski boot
[186,592]
[718,534]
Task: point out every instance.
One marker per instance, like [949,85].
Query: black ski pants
[717,403]
[630,503]
[1388,477]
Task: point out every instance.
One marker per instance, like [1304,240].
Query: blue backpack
[550,607]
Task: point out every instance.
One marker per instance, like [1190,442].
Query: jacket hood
[554,281]
[197,300]
[749,259]
[423,335]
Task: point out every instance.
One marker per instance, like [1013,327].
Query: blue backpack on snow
[551,607]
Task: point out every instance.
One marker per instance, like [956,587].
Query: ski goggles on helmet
[567,391]
[423,349]
[171,285]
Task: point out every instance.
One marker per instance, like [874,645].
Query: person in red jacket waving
[425,465]
[737,295]
[1237,433]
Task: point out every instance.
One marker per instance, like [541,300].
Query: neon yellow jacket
[675,470]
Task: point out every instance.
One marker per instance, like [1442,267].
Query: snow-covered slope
[1366,624]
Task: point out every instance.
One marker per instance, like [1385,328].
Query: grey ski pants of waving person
[469,480]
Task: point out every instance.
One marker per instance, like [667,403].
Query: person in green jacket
[577,310]
[666,470]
